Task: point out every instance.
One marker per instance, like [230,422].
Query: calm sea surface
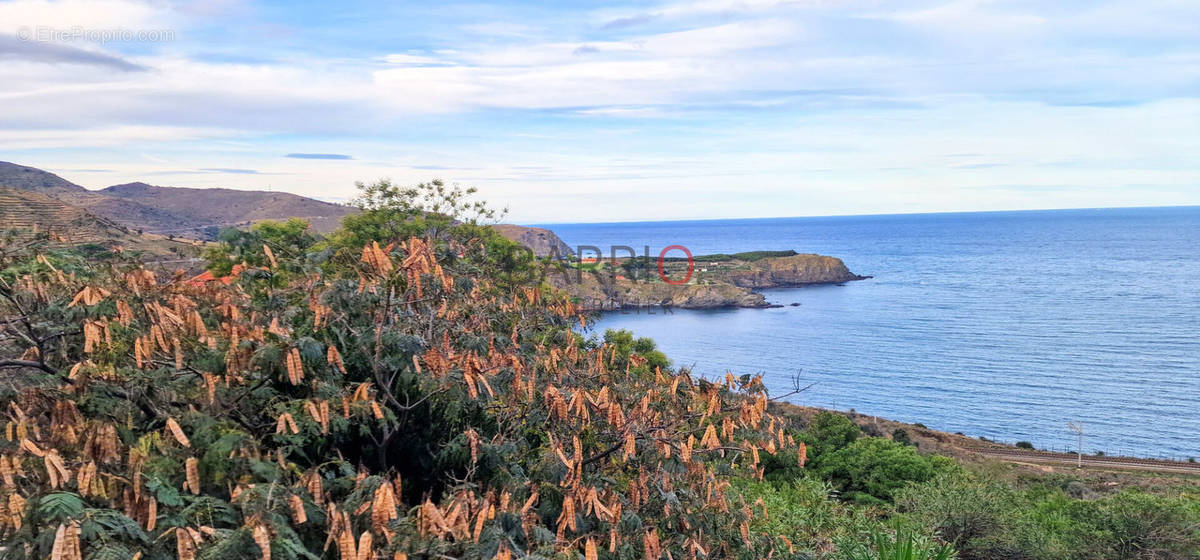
[1005,325]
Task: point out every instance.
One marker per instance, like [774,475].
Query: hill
[24,214]
[185,212]
[34,179]
[27,213]
[198,208]
[541,241]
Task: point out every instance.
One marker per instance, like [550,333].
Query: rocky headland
[790,271]
[716,281]
[541,241]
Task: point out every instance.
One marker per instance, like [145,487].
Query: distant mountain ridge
[196,213]
[33,179]
[180,211]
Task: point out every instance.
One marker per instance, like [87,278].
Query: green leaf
[60,506]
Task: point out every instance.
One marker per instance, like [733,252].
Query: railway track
[1089,461]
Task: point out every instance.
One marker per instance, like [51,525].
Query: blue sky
[583,111]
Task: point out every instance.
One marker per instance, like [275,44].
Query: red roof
[207,276]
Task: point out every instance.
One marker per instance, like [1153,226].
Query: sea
[1002,325]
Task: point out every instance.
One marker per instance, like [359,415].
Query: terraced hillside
[24,215]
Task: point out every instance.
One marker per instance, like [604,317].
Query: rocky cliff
[600,292]
[542,241]
[795,270]
[727,282]
[717,280]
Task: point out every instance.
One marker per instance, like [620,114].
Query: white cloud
[795,107]
[90,14]
[402,59]
[653,69]
[113,136]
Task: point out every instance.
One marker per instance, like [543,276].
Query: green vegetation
[902,546]
[408,387]
[871,470]
[748,256]
[987,517]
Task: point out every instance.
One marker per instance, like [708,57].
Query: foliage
[801,510]
[902,546]
[625,345]
[290,241]
[829,432]
[987,518]
[393,212]
[965,509]
[748,256]
[401,402]
[871,470]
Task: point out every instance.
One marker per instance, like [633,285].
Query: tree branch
[27,364]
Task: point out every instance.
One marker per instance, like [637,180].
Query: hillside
[27,213]
[541,241]
[34,179]
[24,214]
[226,207]
[177,211]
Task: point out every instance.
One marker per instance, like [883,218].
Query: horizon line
[864,215]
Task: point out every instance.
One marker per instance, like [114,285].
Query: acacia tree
[402,404]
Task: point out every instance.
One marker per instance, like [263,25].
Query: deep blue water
[1002,324]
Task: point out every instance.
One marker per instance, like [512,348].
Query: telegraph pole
[1078,429]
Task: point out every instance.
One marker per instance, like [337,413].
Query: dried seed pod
[192,466]
[177,432]
[261,536]
[298,514]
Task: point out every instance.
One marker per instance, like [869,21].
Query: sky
[575,111]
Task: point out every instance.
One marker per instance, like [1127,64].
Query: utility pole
[1078,429]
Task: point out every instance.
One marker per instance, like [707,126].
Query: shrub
[902,546]
[987,519]
[964,509]
[828,431]
[1135,525]
[648,357]
[870,470]
[1024,445]
[801,511]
